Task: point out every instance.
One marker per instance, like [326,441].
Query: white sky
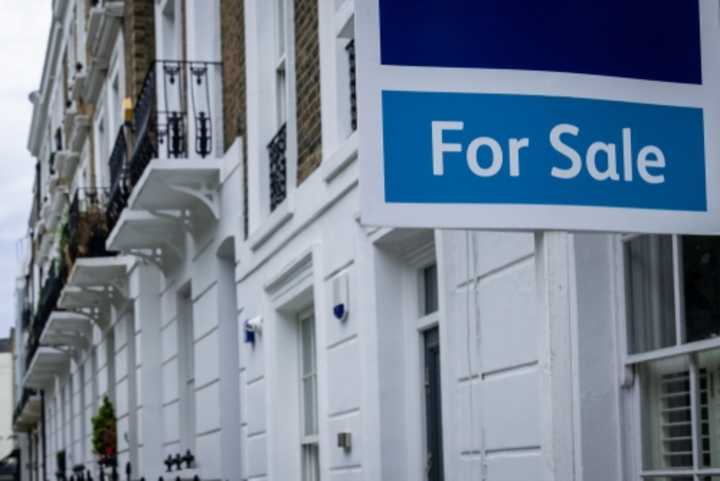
[23,36]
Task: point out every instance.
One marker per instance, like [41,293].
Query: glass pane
[281,27]
[709,367]
[310,406]
[671,478]
[666,413]
[701,276]
[430,284]
[650,293]
[311,463]
[308,346]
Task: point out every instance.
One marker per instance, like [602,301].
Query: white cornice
[40,110]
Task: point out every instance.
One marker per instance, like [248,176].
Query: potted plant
[104,438]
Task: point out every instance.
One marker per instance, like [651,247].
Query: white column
[558,318]
[145,282]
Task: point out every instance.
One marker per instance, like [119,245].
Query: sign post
[518,114]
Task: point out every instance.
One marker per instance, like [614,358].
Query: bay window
[672,299]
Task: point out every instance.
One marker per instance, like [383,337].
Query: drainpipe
[42,435]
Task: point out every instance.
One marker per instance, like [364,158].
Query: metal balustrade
[350,49]
[49,295]
[110,473]
[173,109]
[119,191]
[86,226]
[277,152]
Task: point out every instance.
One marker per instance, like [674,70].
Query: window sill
[281,216]
[673,351]
[341,159]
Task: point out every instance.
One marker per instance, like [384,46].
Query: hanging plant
[105,434]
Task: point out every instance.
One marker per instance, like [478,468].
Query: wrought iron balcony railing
[350,49]
[277,152]
[49,295]
[87,225]
[173,111]
[26,316]
[173,118]
[119,191]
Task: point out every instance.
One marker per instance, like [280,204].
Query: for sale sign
[519,114]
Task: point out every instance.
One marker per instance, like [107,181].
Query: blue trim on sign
[678,132]
[640,39]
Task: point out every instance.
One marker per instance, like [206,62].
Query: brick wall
[233,56]
[139,31]
[307,78]
[232,24]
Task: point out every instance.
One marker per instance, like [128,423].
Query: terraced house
[200,297]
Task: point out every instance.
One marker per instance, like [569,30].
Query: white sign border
[374,77]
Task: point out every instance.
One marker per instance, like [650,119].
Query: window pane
[709,366]
[701,273]
[310,406]
[308,346]
[650,294]
[666,406]
[672,478]
[311,463]
[430,286]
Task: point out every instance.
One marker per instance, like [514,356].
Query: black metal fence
[277,153]
[49,295]
[86,226]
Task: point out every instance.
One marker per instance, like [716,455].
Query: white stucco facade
[232,347]
[7,403]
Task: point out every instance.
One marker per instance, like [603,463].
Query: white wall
[7,403]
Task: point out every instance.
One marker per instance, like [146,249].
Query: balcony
[86,228]
[93,286]
[104,22]
[27,411]
[49,295]
[171,178]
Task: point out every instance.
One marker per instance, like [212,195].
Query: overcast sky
[23,36]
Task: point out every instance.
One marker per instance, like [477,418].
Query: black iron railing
[49,295]
[350,49]
[163,121]
[277,153]
[26,315]
[87,224]
[174,102]
[38,190]
[119,191]
[118,157]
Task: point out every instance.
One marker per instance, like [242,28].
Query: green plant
[105,432]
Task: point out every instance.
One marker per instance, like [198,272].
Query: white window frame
[262,113]
[187,393]
[309,441]
[632,362]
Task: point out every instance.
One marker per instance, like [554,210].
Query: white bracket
[205,194]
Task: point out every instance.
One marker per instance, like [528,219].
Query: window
[309,403]
[672,291]
[277,147]
[430,289]
[431,376]
[281,49]
[346,74]
[186,371]
[672,298]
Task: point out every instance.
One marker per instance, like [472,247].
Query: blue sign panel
[521,149]
[640,39]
